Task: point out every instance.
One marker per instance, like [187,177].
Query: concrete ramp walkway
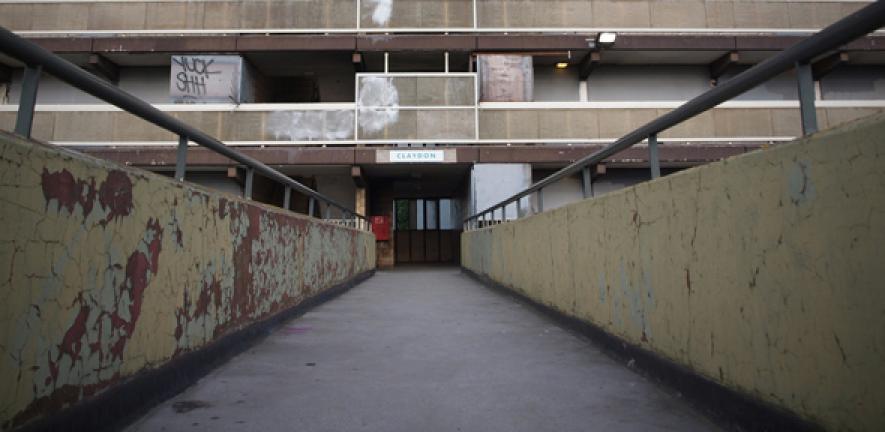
[423,349]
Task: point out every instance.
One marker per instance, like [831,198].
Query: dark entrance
[427,230]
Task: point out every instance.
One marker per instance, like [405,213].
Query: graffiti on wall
[208,79]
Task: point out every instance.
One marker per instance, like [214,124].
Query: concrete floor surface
[423,349]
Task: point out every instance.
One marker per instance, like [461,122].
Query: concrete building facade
[425,111]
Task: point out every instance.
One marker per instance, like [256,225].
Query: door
[427,230]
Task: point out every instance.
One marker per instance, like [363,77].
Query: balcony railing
[498,123]
[415,16]
[799,56]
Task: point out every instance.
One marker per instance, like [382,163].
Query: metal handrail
[864,21]
[39,59]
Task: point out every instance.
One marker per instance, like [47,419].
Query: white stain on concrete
[378,103]
[310,125]
[381,13]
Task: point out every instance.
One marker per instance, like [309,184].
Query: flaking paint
[762,272]
[106,271]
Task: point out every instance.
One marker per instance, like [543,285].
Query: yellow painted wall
[106,271]
[764,272]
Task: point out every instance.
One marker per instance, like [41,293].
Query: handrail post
[287,197]
[24,120]
[805,80]
[181,158]
[247,191]
[586,182]
[310,206]
[540,200]
[653,158]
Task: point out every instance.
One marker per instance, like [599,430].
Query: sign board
[417,156]
[208,79]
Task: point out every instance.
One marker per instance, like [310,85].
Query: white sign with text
[417,156]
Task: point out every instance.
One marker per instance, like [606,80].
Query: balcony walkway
[423,349]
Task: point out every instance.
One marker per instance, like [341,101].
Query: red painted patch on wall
[115,195]
[68,191]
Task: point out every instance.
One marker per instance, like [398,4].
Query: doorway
[427,230]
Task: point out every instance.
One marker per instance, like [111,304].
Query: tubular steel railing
[38,60]
[799,56]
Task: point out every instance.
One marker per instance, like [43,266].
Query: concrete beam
[153,44]
[534,42]
[295,43]
[588,63]
[824,66]
[102,67]
[294,155]
[721,65]
[389,43]
[451,43]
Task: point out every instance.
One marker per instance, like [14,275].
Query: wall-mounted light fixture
[606,39]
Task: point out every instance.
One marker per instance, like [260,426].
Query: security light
[561,65]
[606,39]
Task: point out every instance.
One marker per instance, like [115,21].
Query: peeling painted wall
[762,272]
[106,271]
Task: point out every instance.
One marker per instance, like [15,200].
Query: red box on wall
[381,227]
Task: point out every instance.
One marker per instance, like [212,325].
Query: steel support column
[24,120]
[654,160]
[586,182]
[250,176]
[181,158]
[540,200]
[805,80]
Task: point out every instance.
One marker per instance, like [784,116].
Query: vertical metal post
[586,182]
[540,200]
[250,175]
[287,197]
[447,62]
[181,158]
[310,205]
[327,214]
[24,120]
[654,160]
[806,98]
[386,62]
